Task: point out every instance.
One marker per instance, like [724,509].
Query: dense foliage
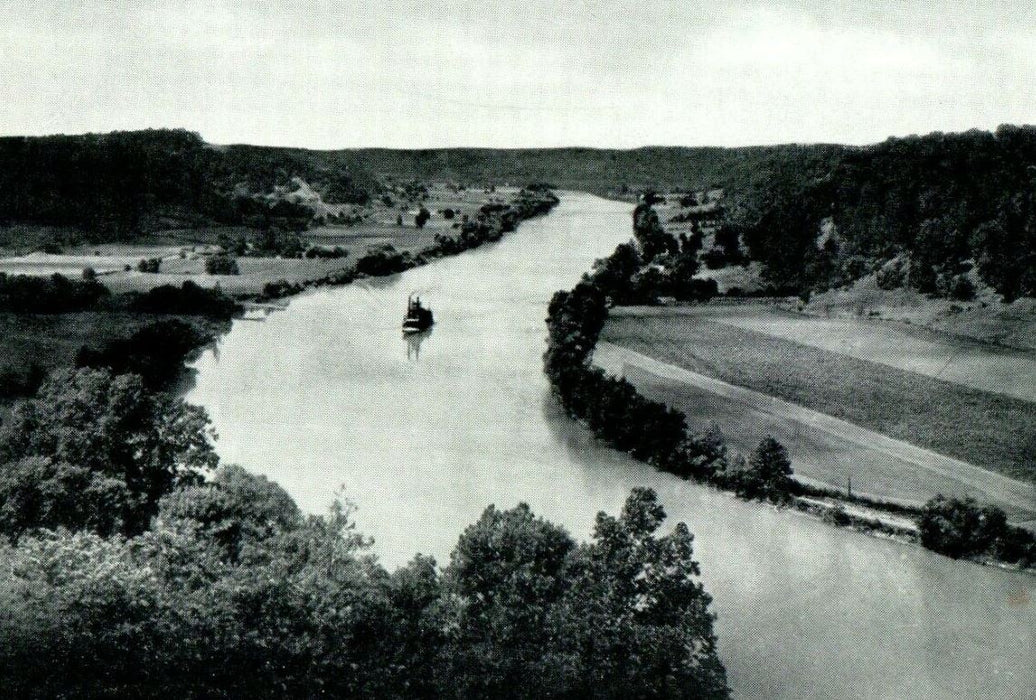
[97,451]
[935,206]
[222,264]
[189,299]
[129,575]
[536,615]
[48,295]
[156,352]
[963,528]
[611,407]
[117,186]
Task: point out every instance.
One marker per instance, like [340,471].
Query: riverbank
[43,336]
[657,433]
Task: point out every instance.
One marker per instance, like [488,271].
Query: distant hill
[121,185]
[599,171]
[930,212]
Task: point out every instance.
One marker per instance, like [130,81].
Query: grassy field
[825,451]
[183,251]
[985,429]
[986,319]
[984,367]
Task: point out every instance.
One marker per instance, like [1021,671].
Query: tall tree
[109,430]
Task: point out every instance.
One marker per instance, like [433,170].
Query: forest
[122,185]
[922,212]
[131,561]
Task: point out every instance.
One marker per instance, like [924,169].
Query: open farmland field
[971,364]
[986,429]
[825,451]
[183,251]
[255,273]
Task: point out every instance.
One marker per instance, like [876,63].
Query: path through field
[824,449]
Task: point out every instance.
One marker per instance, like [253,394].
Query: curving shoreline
[614,411]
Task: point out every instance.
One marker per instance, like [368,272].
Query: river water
[424,433]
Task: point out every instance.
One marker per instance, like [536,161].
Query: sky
[495,73]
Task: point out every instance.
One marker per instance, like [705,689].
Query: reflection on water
[413,341]
[320,396]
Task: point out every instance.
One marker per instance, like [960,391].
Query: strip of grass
[988,430]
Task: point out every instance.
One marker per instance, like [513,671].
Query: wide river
[424,434]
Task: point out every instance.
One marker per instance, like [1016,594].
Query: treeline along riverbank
[489,224]
[652,432]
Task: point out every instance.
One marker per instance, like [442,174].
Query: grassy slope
[825,451]
[985,429]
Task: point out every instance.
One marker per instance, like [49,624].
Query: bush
[49,295]
[222,264]
[892,275]
[189,299]
[384,260]
[149,265]
[327,253]
[156,352]
[960,527]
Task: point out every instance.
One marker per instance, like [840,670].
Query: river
[423,434]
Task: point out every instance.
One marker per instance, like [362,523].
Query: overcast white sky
[606,73]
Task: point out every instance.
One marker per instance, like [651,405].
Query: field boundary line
[613,358]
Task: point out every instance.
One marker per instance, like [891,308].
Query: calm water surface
[423,434]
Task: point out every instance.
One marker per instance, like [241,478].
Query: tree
[612,275]
[422,217]
[111,438]
[221,264]
[648,231]
[505,574]
[235,510]
[537,616]
[150,265]
[636,619]
[1005,247]
[768,473]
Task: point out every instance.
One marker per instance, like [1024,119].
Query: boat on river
[418,318]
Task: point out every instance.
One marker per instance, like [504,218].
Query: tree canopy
[97,450]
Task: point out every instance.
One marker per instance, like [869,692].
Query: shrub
[892,275]
[156,352]
[189,299]
[221,264]
[49,295]
[960,527]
